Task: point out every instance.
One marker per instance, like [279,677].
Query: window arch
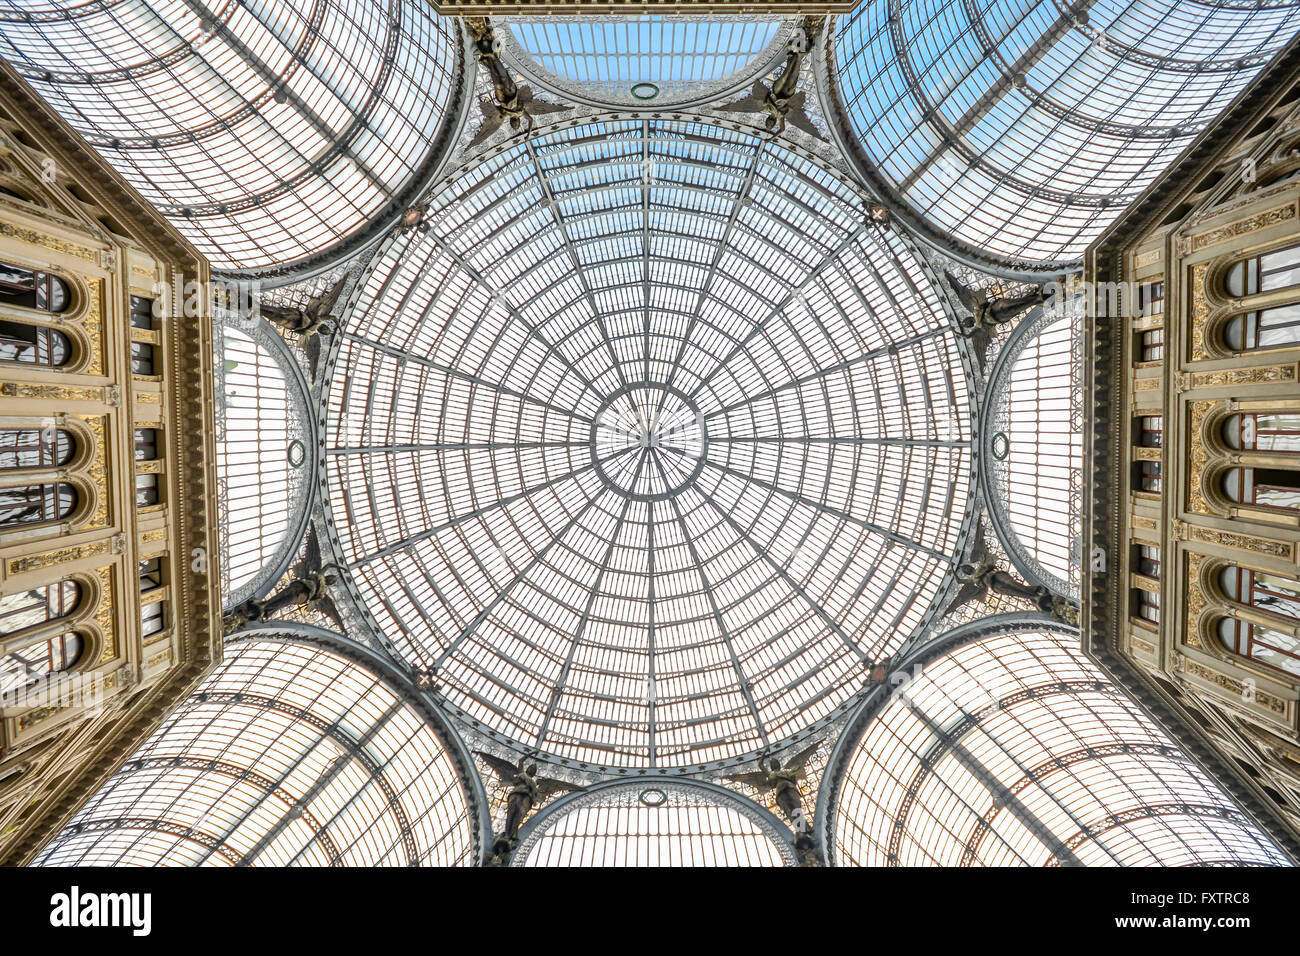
[1266,431]
[1265,272]
[654,823]
[30,289]
[25,343]
[24,505]
[1276,489]
[1276,328]
[643,60]
[1272,601]
[29,665]
[1033,474]
[27,448]
[37,606]
[1268,645]
[263,419]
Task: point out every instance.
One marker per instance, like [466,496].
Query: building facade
[108,580]
[1193,445]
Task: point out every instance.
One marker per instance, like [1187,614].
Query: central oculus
[648,441]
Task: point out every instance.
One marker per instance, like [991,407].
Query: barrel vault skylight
[267,130]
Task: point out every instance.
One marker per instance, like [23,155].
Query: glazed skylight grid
[683,828]
[670,52]
[1041,480]
[181,96]
[256,482]
[1020,130]
[276,724]
[713,610]
[1095,781]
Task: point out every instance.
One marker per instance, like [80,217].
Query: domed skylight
[650,446]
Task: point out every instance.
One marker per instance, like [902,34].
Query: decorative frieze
[1232,685]
[1262,220]
[60,556]
[1242,542]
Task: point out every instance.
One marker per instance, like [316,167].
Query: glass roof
[651,445]
[267,130]
[262,458]
[654,824]
[287,755]
[1038,481]
[611,55]
[1016,750]
[1023,127]
[648,444]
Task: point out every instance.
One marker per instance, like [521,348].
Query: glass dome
[650,446]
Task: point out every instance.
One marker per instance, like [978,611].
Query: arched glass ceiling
[1023,127]
[1034,442]
[265,452]
[287,755]
[655,823]
[608,56]
[267,130]
[1016,750]
[650,446]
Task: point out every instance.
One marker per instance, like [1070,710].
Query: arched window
[1262,590]
[36,606]
[654,824]
[33,504]
[1270,487]
[1036,484]
[1275,645]
[1268,272]
[22,448]
[1263,431]
[29,289]
[1269,645]
[1277,328]
[29,344]
[26,667]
